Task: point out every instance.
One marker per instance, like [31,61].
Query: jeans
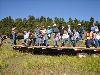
[46,42]
[34,41]
[55,42]
[96,42]
[13,41]
[61,35]
[90,42]
[99,42]
[37,41]
[81,36]
[41,41]
[26,41]
[73,42]
[70,35]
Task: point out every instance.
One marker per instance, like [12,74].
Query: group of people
[93,37]
[60,35]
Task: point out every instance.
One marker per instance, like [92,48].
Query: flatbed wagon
[56,50]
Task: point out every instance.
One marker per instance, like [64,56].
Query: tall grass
[15,63]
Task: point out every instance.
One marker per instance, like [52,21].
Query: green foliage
[31,22]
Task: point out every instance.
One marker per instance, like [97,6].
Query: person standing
[80,31]
[37,35]
[69,31]
[0,39]
[55,29]
[14,36]
[56,39]
[64,38]
[26,37]
[46,38]
[96,38]
[61,30]
[74,38]
[49,31]
[56,35]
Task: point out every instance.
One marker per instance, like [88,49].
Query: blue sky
[80,9]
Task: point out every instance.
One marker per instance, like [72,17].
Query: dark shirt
[61,31]
[13,36]
[55,30]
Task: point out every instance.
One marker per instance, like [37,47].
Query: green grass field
[16,63]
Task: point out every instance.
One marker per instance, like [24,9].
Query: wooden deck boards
[58,48]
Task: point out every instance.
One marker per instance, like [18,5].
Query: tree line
[31,22]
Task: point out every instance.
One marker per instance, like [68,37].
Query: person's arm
[85,34]
[91,35]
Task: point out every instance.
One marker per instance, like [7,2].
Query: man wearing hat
[56,35]
[14,36]
[55,29]
[49,31]
[80,31]
[61,30]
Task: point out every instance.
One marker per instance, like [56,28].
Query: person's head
[25,32]
[48,26]
[29,31]
[42,26]
[36,26]
[88,30]
[54,25]
[79,24]
[68,25]
[62,27]
[14,29]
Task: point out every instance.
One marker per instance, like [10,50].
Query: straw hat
[48,26]
[68,25]
[13,28]
[79,24]
[54,25]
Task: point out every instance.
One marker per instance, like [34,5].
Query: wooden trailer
[57,50]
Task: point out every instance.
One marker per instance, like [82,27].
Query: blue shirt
[93,28]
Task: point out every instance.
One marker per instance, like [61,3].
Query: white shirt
[76,35]
[26,35]
[98,36]
[65,36]
[69,30]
